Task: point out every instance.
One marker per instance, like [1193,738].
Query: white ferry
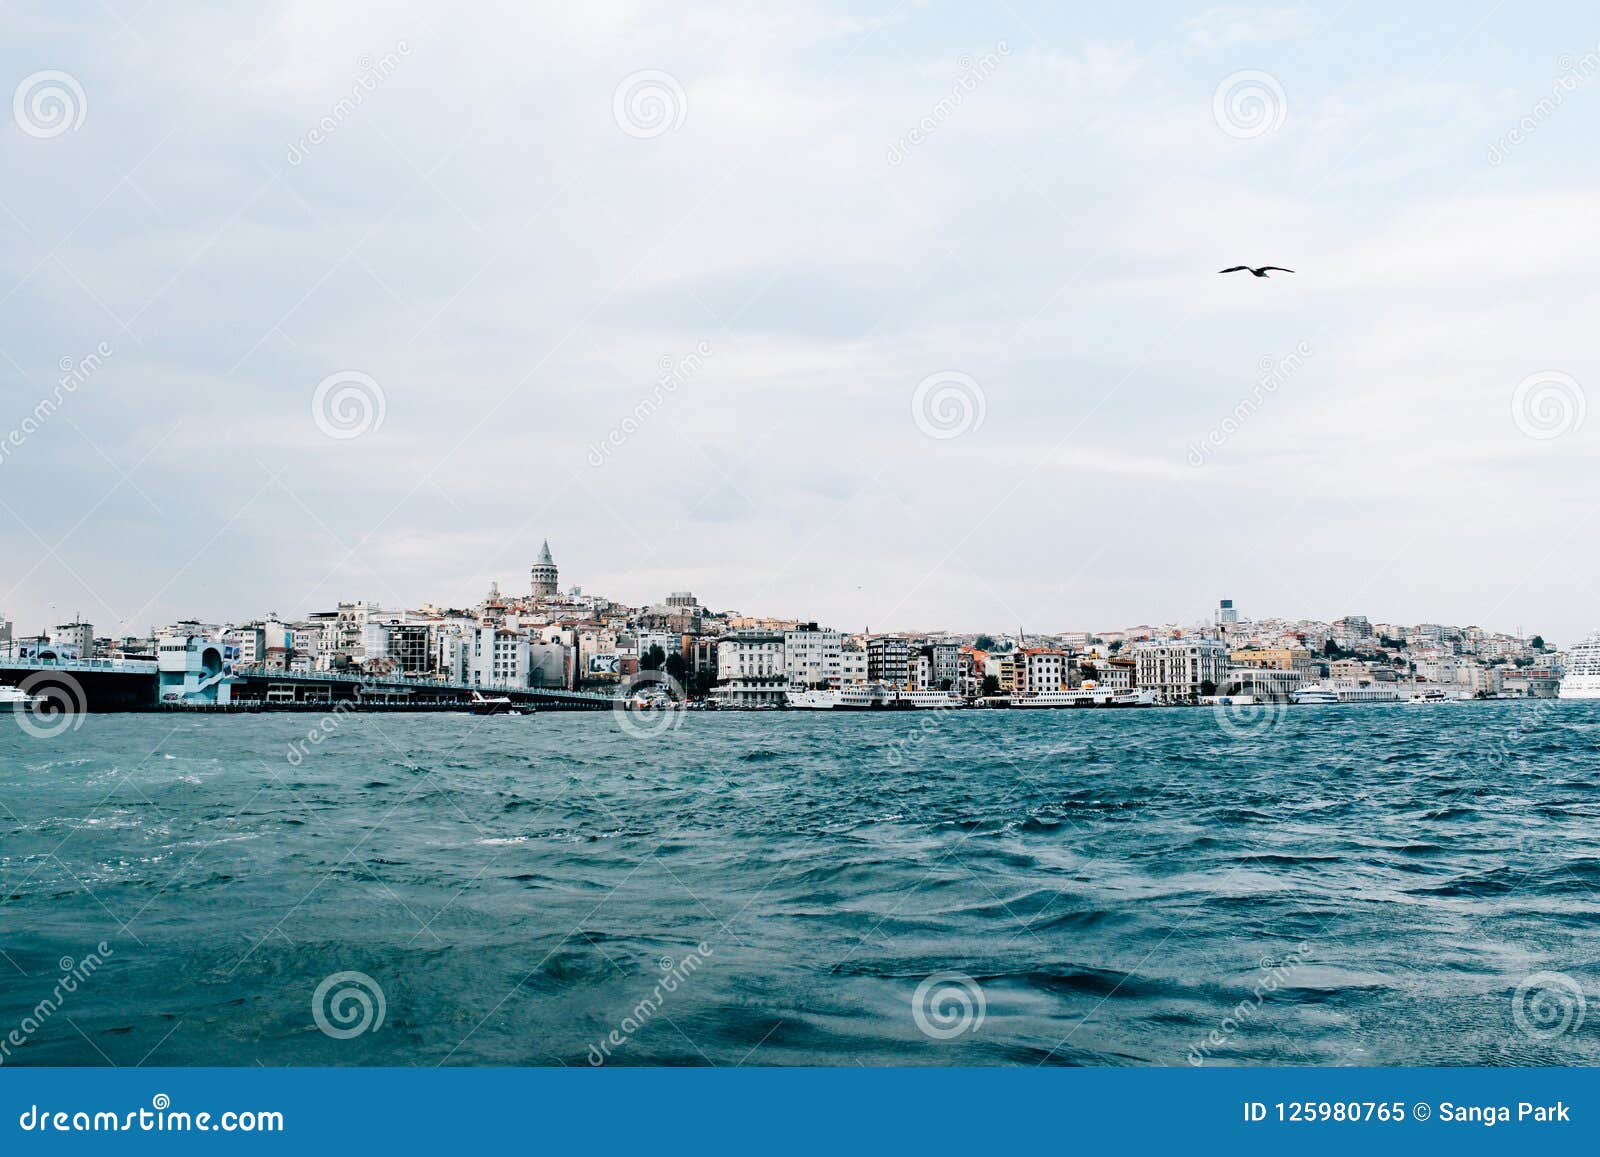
[872,697]
[1089,695]
[1316,693]
[1581,679]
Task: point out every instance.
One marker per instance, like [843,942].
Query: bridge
[134,685]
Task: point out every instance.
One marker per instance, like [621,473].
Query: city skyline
[548,602]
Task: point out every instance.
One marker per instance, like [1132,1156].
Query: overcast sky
[941,280]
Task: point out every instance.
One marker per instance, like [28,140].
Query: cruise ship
[1581,679]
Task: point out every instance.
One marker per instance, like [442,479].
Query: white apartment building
[500,656]
[1175,669]
[751,670]
[811,657]
[1043,671]
[852,666]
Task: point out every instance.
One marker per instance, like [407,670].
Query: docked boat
[1089,695]
[877,697]
[1316,693]
[1581,679]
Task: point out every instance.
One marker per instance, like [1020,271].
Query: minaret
[546,578]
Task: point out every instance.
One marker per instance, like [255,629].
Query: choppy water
[1118,886]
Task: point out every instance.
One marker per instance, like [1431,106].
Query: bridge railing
[125,666]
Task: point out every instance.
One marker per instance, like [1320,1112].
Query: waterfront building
[409,648]
[750,669]
[946,664]
[888,661]
[852,666]
[811,657]
[1040,669]
[1116,673]
[1262,683]
[1281,659]
[544,575]
[499,655]
[1176,670]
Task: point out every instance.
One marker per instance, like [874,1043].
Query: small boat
[15,698]
[1316,693]
[481,704]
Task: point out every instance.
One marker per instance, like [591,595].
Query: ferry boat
[1581,679]
[873,697]
[1091,694]
[1422,697]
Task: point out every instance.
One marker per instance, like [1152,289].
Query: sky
[889,315]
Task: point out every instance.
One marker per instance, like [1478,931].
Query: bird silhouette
[1261,272]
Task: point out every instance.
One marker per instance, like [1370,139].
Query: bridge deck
[386,685]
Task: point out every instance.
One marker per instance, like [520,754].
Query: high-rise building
[1226,615]
[545,576]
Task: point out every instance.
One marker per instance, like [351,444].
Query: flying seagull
[1262,272]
